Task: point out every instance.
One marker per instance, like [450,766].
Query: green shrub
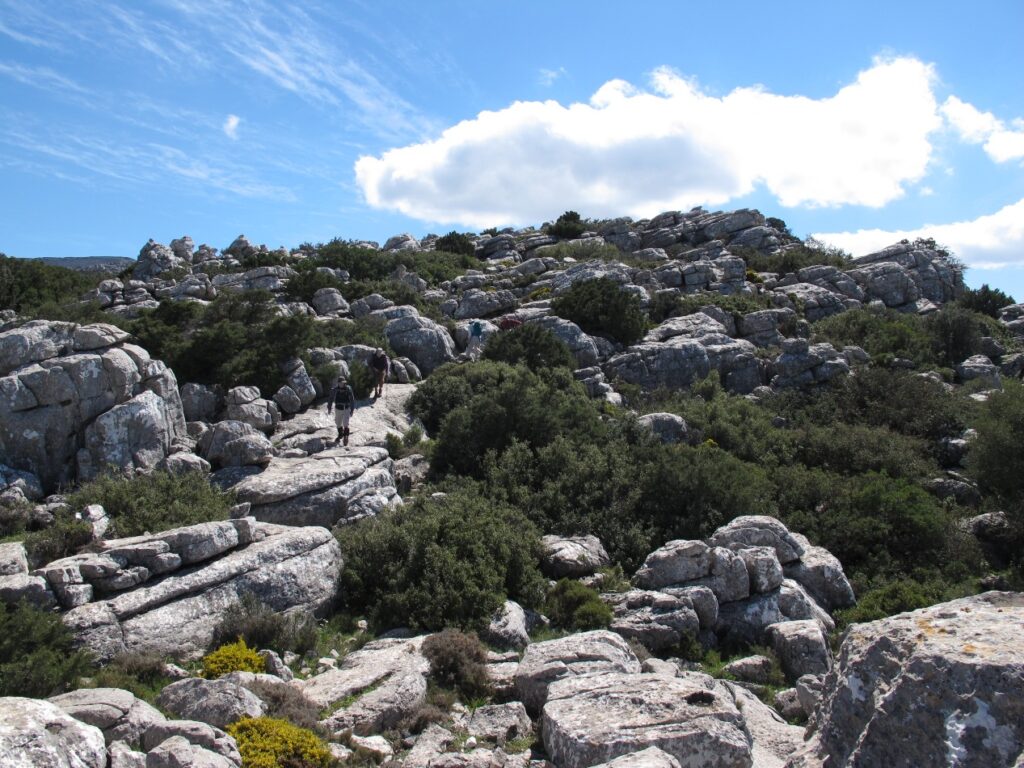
[368,264]
[37,656]
[987,301]
[807,254]
[883,334]
[265,742]
[454,242]
[449,561]
[529,344]
[361,379]
[995,457]
[458,661]
[569,226]
[283,702]
[572,605]
[602,307]
[262,627]
[233,657]
[956,334]
[897,596]
[64,538]
[138,504]
[26,285]
[144,674]
[307,281]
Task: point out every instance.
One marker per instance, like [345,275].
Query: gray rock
[573,556]
[937,686]
[155,258]
[577,655]
[386,678]
[215,702]
[200,402]
[38,733]
[329,301]
[477,303]
[430,745]
[821,574]
[750,669]
[773,740]
[120,755]
[117,713]
[22,586]
[135,435]
[234,443]
[177,752]
[500,723]
[181,463]
[287,400]
[808,690]
[676,562]
[744,621]
[13,559]
[979,368]
[196,733]
[652,757]
[759,531]
[583,347]
[787,703]
[667,427]
[593,719]
[656,620]
[426,343]
[763,568]
[508,627]
[797,605]
[802,648]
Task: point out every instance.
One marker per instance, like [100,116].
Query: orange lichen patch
[970,650]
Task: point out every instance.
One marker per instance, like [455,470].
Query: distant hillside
[89,263]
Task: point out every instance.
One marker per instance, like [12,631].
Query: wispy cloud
[43,78]
[231,127]
[547,77]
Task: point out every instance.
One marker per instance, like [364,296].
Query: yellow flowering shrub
[233,657]
[265,742]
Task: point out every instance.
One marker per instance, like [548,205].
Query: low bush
[575,606]
[64,538]
[361,379]
[233,657]
[531,345]
[37,655]
[987,301]
[807,254]
[284,702]
[458,661]
[569,226]
[602,307]
[138,504]
[144,674]
[26,285]
[262,627]
[448,561]
[995,457]
[265,742]
[455,242]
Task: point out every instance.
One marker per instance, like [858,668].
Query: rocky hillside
[697,488]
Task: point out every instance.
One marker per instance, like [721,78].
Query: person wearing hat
[380,364]
[341,400]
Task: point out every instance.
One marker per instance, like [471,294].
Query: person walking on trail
[476,337]
[341,400]
[380,364]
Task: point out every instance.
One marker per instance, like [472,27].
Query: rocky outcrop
[336,485]
[38,733]
[938,686]
[426,343]
[573,556]
[166,593]
[75,399]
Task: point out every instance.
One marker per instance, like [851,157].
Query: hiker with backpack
[476,337]
[379,363]
[341,400]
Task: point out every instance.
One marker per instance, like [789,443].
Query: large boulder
[117,713]
[656,620]
[214,702]
[938,686]
[156,258]
[573,556]
[58,383]
[592,719]
[37,733]
[576,655]
[200,571]
[426,343]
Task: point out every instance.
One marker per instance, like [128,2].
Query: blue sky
[859,122]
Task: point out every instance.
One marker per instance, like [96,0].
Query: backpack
[343,397]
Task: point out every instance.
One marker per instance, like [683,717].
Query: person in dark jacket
[379,363]
[341,400]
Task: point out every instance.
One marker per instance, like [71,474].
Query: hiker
[380,364]
[341,400]
[476,337]
[509,322]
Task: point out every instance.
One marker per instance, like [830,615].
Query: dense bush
[138,504]
[285,702]
[308,280]
[883,334]
[996,458]
[575,606]
[987,301]
[368,264]
[233,657]
[602,307]
[144,674]
[262,627]
[265,742]
[37,656]
[569,226]
[807,254]
[458,661]
[26,285]
[531,345]
[457,243]
[64,538]
[448,561]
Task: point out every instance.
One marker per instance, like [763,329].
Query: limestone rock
[117,713]
[773,740]
[215,702]
[652,757]
[573,556]
[938,686]
[426,343]
[592,719]
[821,574]
[667,427]
[802,648]
[582,654]
[38,733]
[500,723]
[177,752]
[234,443]
[656,620]
[508,627]
[756,531]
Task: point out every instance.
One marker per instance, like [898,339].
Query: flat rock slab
[37,733]
[119,714]
[384,681]
[595,718]
[938,686]
[288,569]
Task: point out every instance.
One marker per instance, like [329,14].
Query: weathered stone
[117,713]
[652,757]
[763,567]
[938,686]
[773,740]
[426,343]
[592,719]
[676,562]
[215,702]
[196,733]
[656,620]
[177,752]
[802,648]
[821,574]
[582,654]
[508,627]
[573,556]
[750,669]
[757,531]
[500,723]
[667,427]
[38,733]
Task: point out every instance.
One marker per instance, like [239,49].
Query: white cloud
[230,127]
[547,77]
[977,127]
[993,241]
[673,146]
